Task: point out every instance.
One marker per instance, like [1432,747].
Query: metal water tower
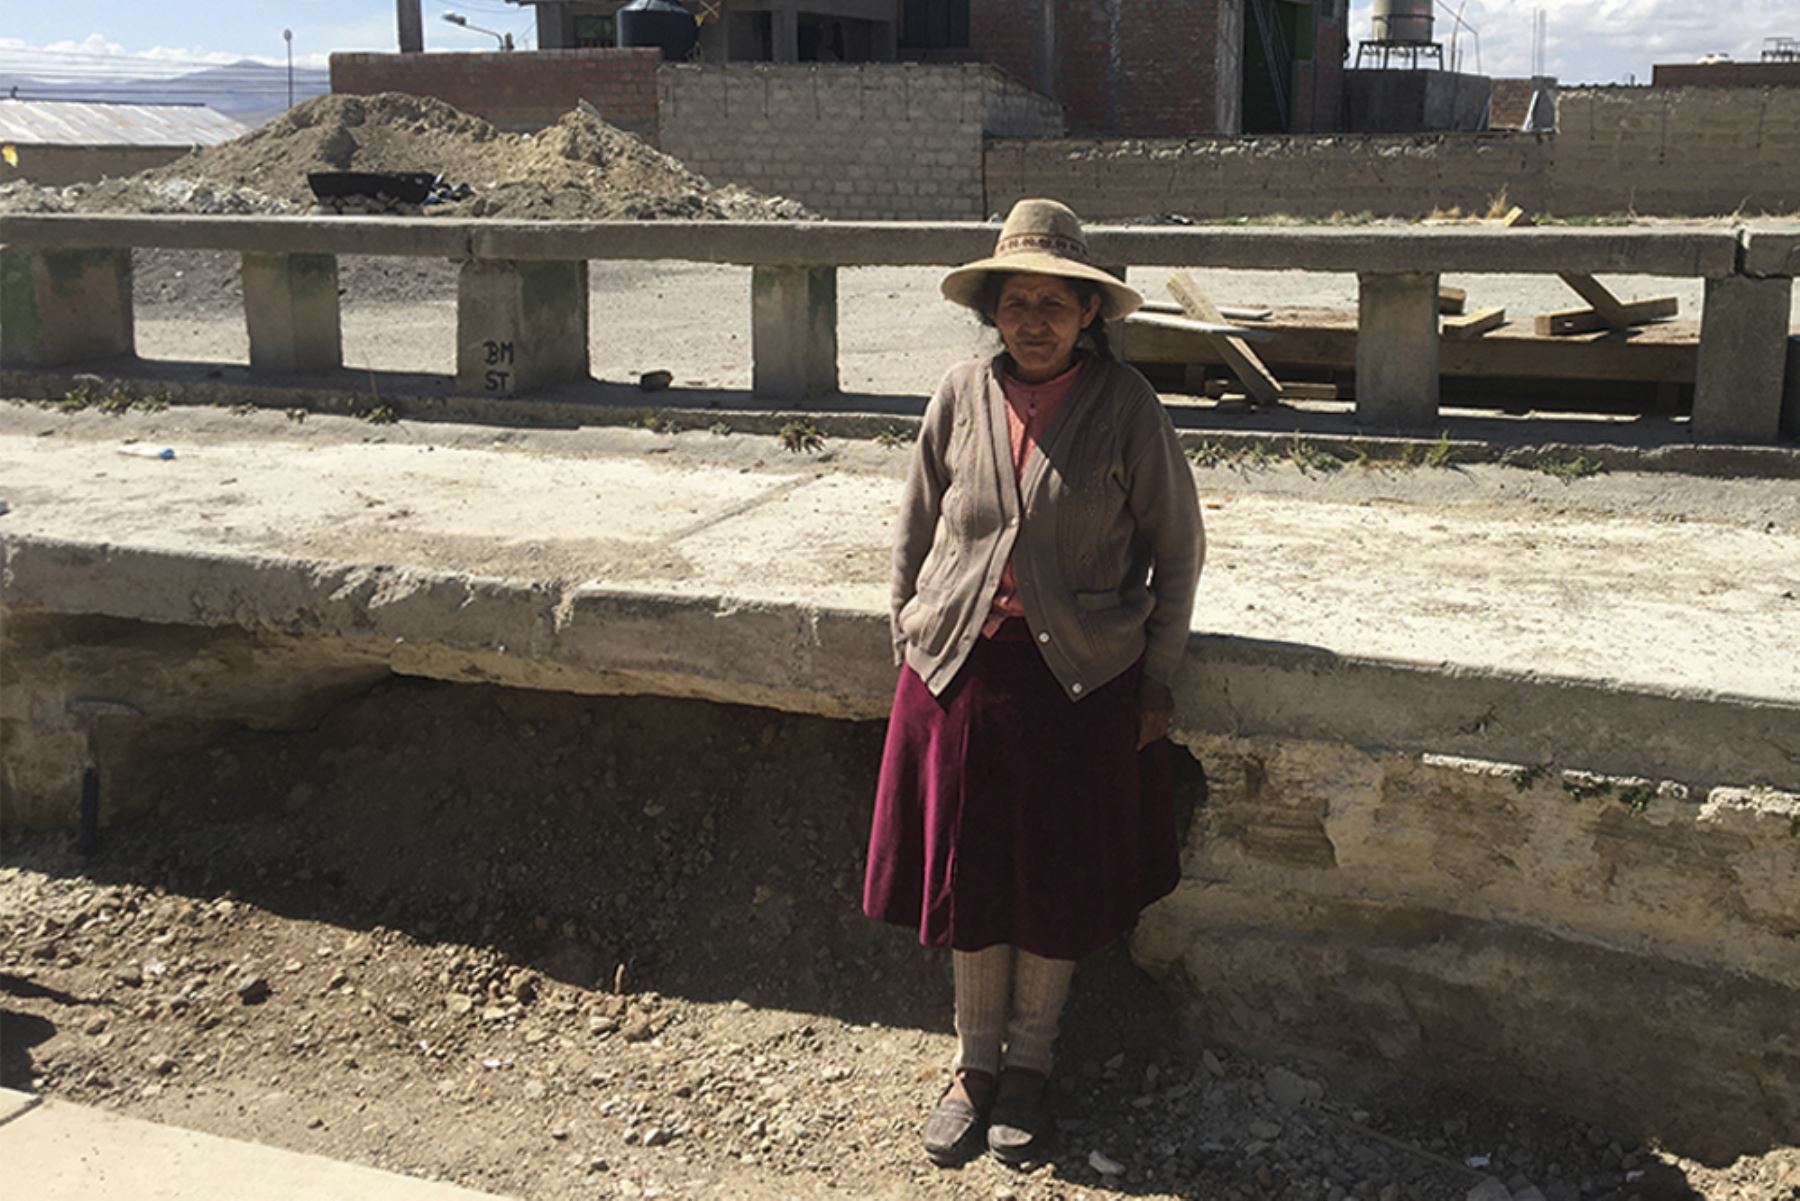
[1403,30]
[1403,21]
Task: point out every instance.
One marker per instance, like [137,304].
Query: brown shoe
[1018,1130]
[954,1127]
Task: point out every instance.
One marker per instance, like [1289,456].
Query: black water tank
[665,24]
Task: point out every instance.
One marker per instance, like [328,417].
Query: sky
[1590,41]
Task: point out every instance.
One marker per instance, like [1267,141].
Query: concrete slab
[57,1151]
[1709,251]
[726,568]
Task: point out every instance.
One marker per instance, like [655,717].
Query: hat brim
[963,285]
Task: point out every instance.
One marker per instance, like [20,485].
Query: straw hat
[1041,237]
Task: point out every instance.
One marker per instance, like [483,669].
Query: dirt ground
[570,948]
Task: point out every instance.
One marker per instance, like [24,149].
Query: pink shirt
[1029,410]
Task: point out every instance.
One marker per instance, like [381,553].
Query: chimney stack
[412,26]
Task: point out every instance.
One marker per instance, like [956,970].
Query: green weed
[1526,777]
[1310,457]
[1637,798]
[1439,454]
[719,428]
[892,438]
[1569,470]
[798,437]
[1586,790]
[656,421]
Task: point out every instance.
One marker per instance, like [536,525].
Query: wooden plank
[1452,300]
[1475,324]
[1297,390]
[1599,298]
[1588,321]
[1517,218]
[1228,329]
[1324,340]
[1244,363]
[1230,312]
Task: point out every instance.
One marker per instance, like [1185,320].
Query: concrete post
[1743,356]
[520,326]
[784,34]
[411,22]
[793,332]
[59,307]
[291,309]
[1790,392]
[1397,350]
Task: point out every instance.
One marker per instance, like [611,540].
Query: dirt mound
[581,168]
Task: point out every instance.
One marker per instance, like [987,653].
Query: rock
[1285,1088]
[1490,1189]
[1389,1192]
[638,1029]
[131,975]
[1105,1164]
[162,1065]
[656,1136]
[1212,1065]
[1267,1131]
[1528,1193]
[599,1023]
[536,1090]
[253,991]
[1114,1064]
[1562,1190]
[95,1024]
[459,1003]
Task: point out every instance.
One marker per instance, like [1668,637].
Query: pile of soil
[569,947]
[581,168]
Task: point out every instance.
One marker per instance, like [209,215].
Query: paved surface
[55,1151]
[1656,582]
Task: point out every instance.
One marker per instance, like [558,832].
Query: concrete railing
[522,300]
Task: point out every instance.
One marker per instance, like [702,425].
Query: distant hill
[250,92]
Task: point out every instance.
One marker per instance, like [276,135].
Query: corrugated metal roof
[80,123]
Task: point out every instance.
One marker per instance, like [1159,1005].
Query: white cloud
[1609,41]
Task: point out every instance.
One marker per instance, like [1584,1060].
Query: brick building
[1136,68]
[1148,68]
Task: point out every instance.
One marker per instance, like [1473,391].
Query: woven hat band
[1055,243]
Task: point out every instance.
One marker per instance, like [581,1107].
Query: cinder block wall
[871,141]
[521,91]
[1400,175]
[1654,151]
[1687,151]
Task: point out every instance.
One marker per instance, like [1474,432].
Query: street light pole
[287,35]
[505,40]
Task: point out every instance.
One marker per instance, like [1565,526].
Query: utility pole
[412,26]
[287,35]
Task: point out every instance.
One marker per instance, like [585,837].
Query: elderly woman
[1045,563]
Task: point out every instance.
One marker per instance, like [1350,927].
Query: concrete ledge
[835,662]
[1690,253]
[1772,252]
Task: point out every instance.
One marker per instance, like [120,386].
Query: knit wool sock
[983,979]
[1040,987]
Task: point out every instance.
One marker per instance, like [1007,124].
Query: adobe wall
[852,141]
[521,91]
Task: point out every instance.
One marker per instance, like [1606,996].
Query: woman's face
[1040,317]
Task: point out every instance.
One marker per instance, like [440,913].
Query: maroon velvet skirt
[1007,813]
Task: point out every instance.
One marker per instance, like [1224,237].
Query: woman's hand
[1155,704]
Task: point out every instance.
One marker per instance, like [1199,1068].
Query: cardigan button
[1044,637]
[1075,688]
